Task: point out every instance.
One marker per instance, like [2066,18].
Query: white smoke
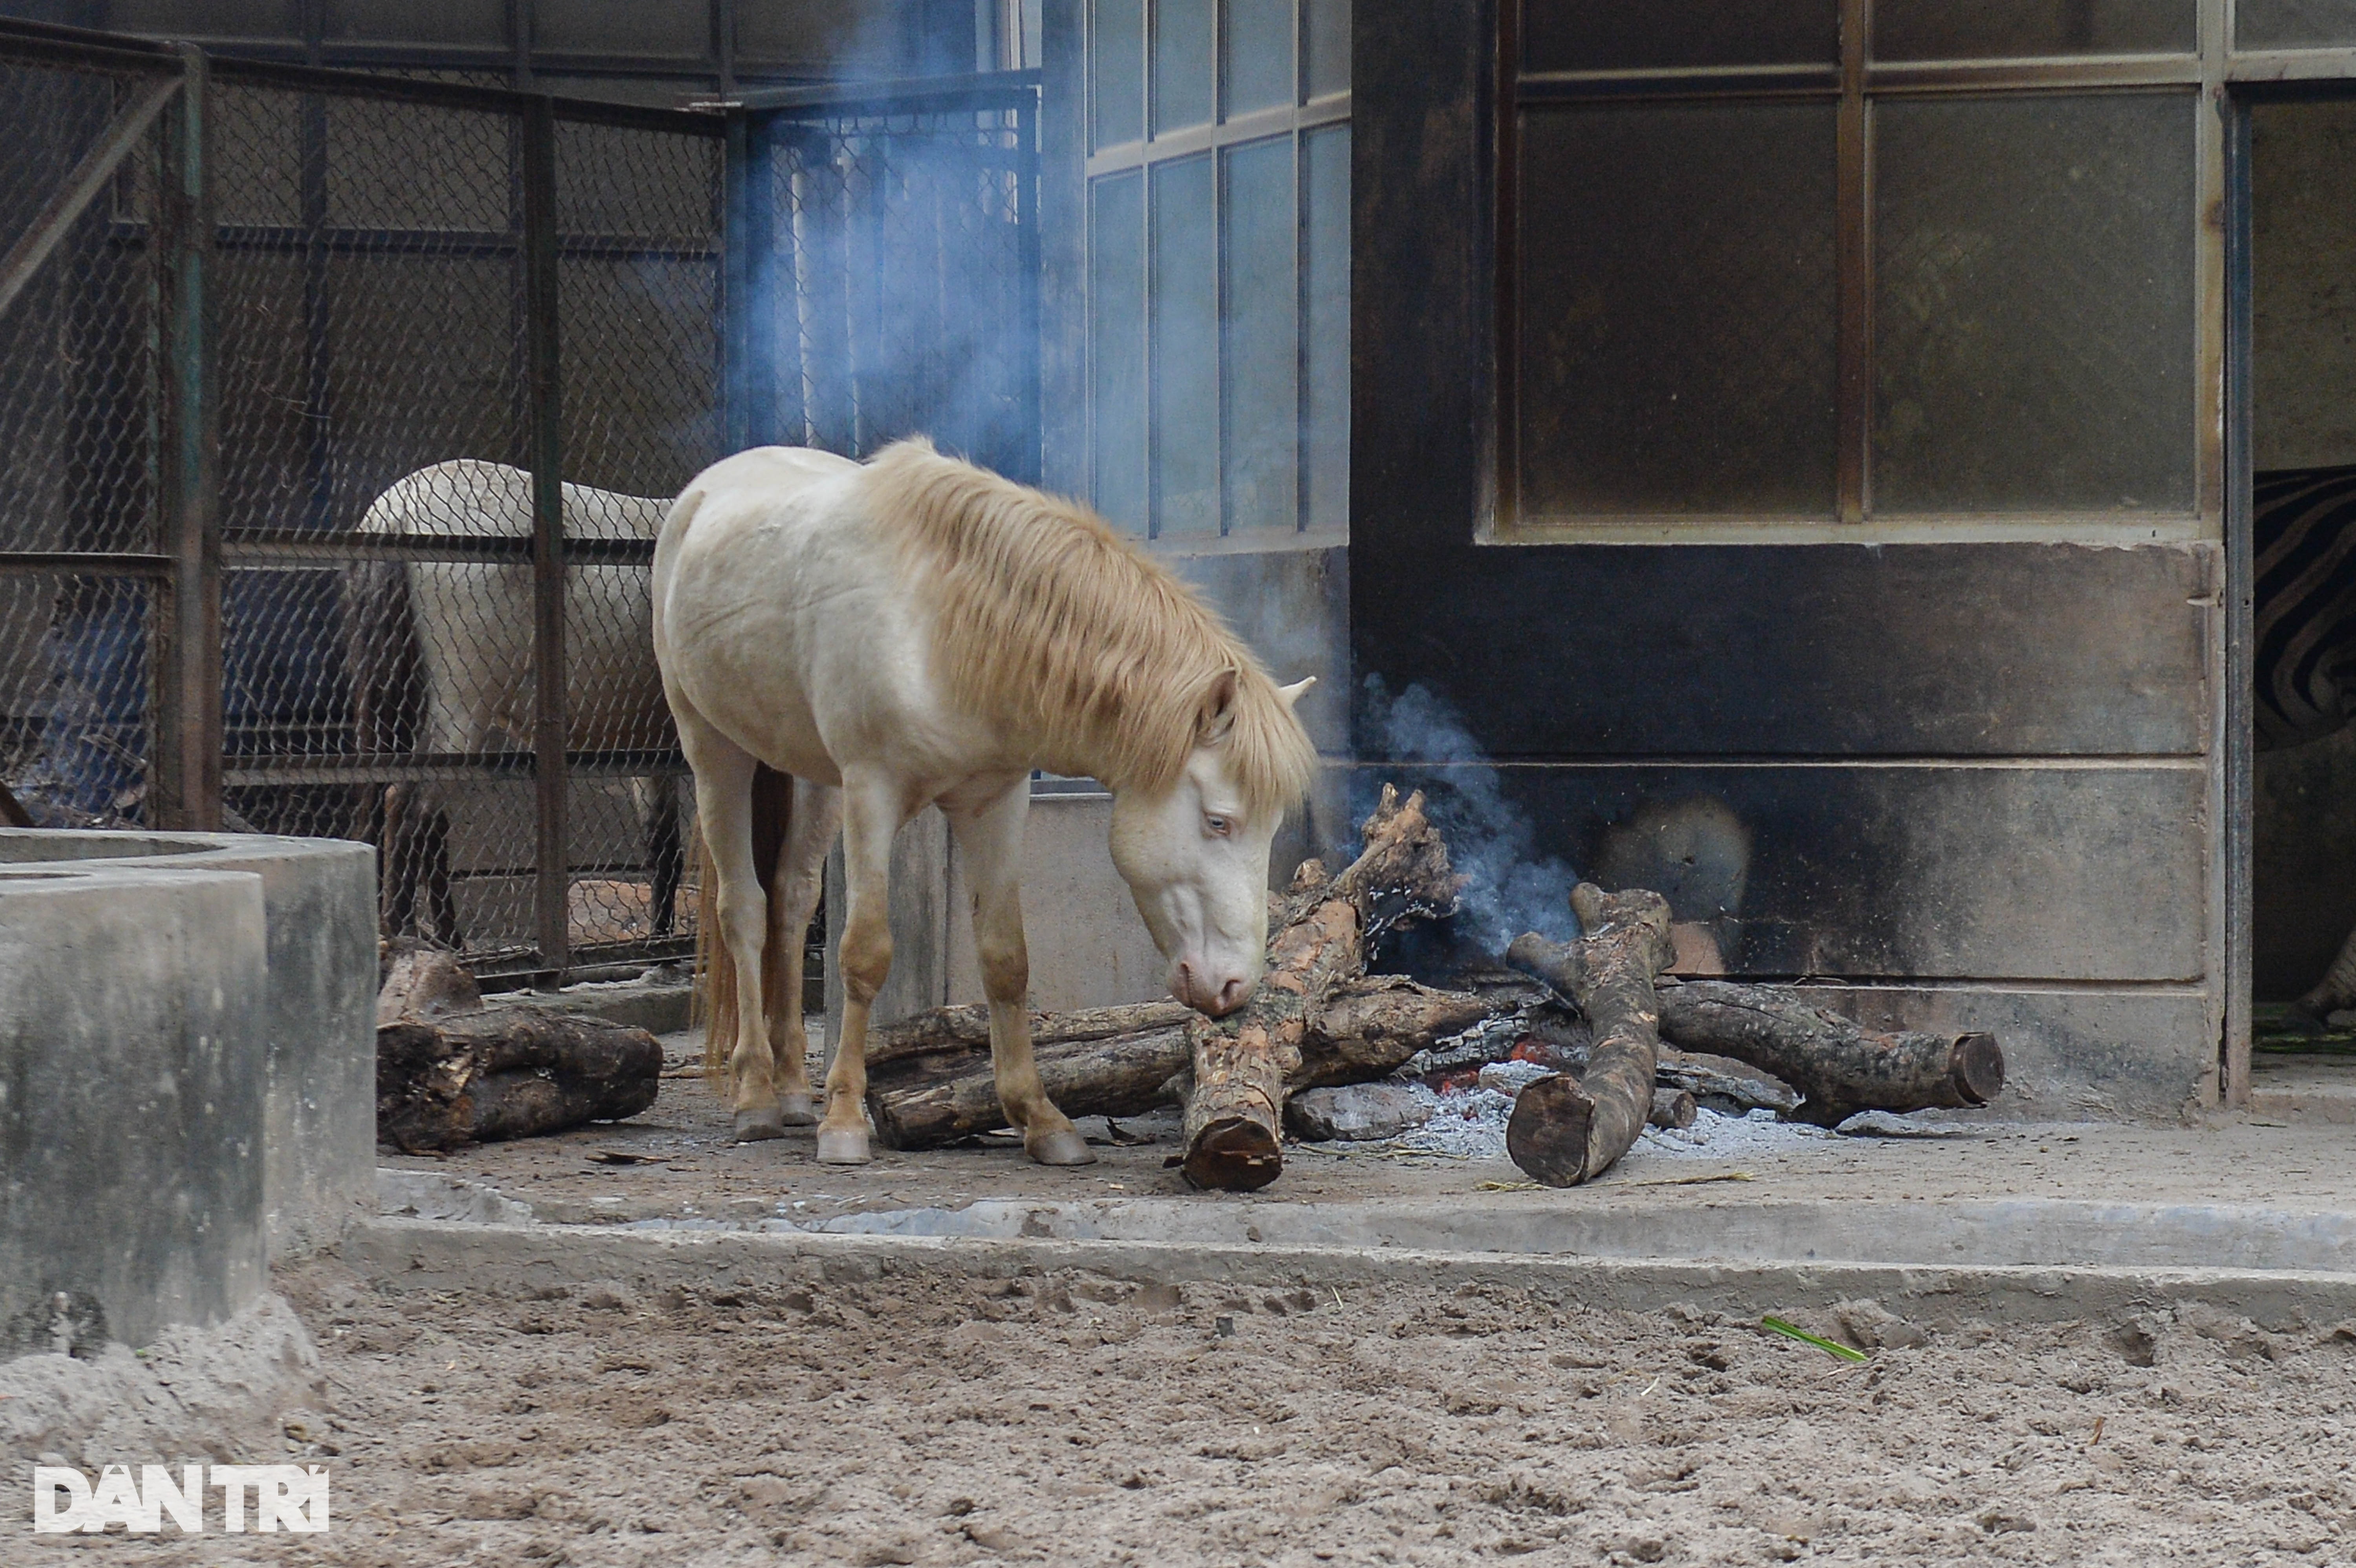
[1515,887]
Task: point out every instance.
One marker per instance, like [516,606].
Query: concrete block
[318,1078]
[133,1100]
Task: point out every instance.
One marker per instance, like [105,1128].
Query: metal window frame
[1854,84]
[1292,121]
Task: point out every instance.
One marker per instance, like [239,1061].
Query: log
[449,1071]
[1244,1062]
[1836,1065]
[929,1080]
[1673,1108]
[1564,1131]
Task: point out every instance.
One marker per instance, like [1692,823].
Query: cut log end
[1547,1133]
[1978,1069]
[1674,1108]
[1234,1155]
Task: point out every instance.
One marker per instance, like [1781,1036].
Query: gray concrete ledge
[428,1254]
[1658,1223]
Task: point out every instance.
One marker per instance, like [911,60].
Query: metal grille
[290,410]
[898,293]
[80,396]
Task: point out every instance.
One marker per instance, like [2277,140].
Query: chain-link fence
[292,401]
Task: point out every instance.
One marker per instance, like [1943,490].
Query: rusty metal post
[545,439]
[184,629]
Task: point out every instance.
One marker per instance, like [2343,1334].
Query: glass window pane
[1185,350]
[621,28]
[1263,287]
[2033,307]
[2302,315]
[482,24]
[1259,55]
[1325,176]
[2293,24]
[1628,35]
[1117,346]
[204,18]
[1996,29]
[1326,38]
[1116,70]
[1183,70]
[1677,302]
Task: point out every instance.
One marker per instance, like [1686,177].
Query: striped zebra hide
[2305,610]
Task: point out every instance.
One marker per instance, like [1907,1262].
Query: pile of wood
[1319,1019]
[451,1072]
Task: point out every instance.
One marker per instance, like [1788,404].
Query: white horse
[918,631]
[468,627]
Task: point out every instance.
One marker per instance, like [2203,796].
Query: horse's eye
[1219,827]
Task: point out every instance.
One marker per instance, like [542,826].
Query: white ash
[1717,1137]
[1513,1077]
[1468,1123]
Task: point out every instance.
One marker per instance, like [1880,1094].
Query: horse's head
[1195,858]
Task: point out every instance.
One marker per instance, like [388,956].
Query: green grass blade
[1792,1331]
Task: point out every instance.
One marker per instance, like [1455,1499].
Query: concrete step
[2303,1087]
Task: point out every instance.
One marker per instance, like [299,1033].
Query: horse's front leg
[871,814]
[812,823]
[990,838]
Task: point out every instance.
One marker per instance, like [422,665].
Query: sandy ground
[929,1417]
[1063,1419]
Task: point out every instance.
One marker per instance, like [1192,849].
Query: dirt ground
[928,1418]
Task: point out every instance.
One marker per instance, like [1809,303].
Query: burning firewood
[929,1080]
[1317,1019]
[1245,1063]
[1838,1066]
[1568,1130]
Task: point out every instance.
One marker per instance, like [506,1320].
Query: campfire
[1585,1021]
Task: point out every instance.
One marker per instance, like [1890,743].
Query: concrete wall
[1088,946]
[2303,368]
[133,1066]
[315,1065]
[1974,776]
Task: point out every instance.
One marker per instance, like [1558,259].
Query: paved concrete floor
[2244,1189]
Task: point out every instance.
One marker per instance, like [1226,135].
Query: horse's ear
[1291,694]
[1217,716]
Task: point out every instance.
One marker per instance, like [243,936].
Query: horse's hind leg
[397,854]
[723,804]
[812,823]
[990,838]
[871,814]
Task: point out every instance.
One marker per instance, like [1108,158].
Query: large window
[1825,261]
[1218,219]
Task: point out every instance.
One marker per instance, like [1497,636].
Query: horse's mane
[1046,618]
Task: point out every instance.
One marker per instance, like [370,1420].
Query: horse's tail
[715,990]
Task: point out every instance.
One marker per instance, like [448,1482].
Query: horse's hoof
[795,1111]
[843,1146]
[753,1127]
[1061,1146]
